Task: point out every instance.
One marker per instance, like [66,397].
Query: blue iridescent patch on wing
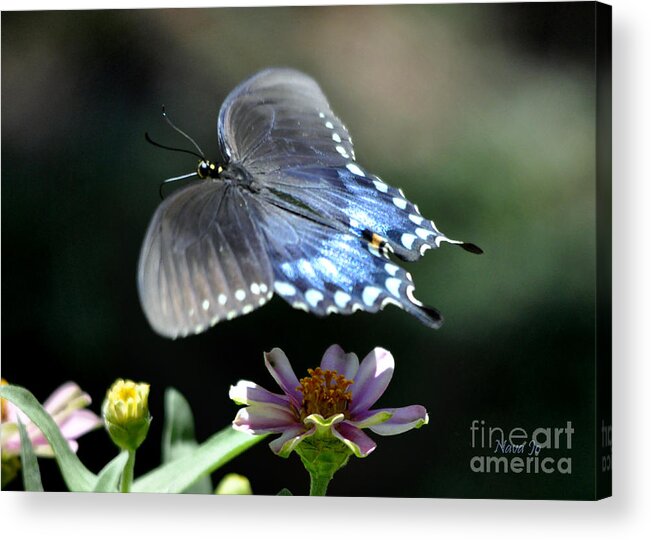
[325,271]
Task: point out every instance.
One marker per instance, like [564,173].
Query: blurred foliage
[483,114]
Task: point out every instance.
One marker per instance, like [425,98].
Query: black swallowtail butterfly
[288,211]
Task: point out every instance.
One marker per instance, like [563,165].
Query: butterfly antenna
[151,141]
[173,126]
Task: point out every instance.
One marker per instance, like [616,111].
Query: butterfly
[287,211]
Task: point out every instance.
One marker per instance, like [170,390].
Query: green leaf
[284,492]
[76,476]
[31,472]
[178,436]
[179,426]
[178,475]
[109,476]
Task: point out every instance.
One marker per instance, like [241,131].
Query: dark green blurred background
[483,114]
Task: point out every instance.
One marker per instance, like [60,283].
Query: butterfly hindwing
[324,271]
[202,260]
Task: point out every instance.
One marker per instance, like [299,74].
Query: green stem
[319,484]
[322,457]
[127,473]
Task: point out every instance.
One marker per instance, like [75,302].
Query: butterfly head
[208,169]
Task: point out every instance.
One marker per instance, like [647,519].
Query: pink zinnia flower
[65,405]
[334,400]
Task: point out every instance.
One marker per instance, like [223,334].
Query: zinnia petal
[45,450]
[370,418]
[402,419]
[79,423]
[61,397]
[281,370]
[360,444]
[11,445]
[335,359]
[249,393]
[289,440]
[372,379]
[259,419]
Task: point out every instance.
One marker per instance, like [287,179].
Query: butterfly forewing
[202,260]
[278,119]
[362,203]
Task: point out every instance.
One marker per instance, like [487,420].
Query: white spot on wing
[423,233]
[408,240]
[381,186]
[263,288]
[336,137]
[284,289]
[412,298]
[247,309]
[341,299]
[240,295]
[329,125]
[440,239]
[205,304]
[342,151]
[391,268]
[370,294]
[255,288]
[355,169]
[313,297]
[222,299]
[300,305]
[416,219]
[388,300]
[400,203]
[393,286]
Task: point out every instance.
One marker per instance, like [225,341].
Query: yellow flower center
[127,401]
[125,393]
[325,392]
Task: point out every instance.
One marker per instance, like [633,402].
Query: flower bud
[234,484]
[126,413]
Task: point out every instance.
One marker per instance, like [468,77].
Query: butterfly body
[289,212]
